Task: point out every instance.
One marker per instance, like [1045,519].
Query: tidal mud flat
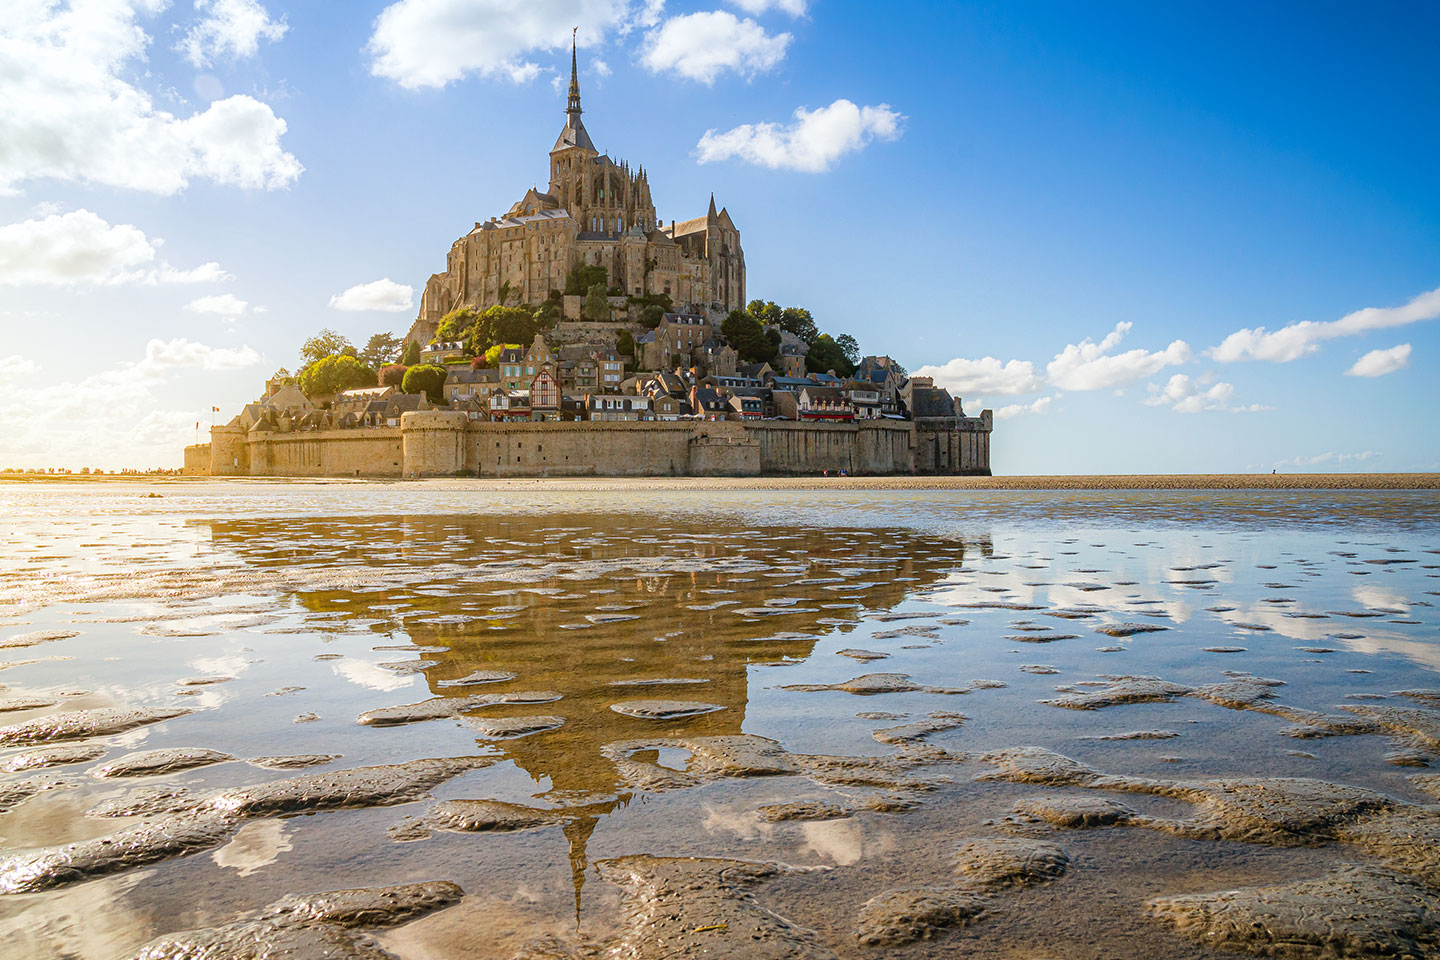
[422,721]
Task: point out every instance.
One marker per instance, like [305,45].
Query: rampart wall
[438,443]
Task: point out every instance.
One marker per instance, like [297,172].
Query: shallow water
[295,619]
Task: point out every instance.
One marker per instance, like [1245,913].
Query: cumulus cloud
[1091,366]
[383,295]
[1041,405]
[72,112]
[17,366]
[224,305]
[429,43]
[81,248]
[121,416]
[1377,363]
[701,46]
[1299,339]
[228,28]
[796,8]
[986,376]
[1184,394]
[815,140]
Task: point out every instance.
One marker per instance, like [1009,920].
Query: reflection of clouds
[255,845]
[839,840]
[231,666]
[737,821]
[89,921]
[1381,598]
[370,675]
[1323,633]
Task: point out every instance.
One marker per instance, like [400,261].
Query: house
[785,404]
[617,408]
[791,360]
[708,403]
[759,372]
[511,364]
[463,383]
[544,396]
[441,351]
[865,398]
[746,407]
[612,370]
[824,404]
[509,405]
[926,402]
[675,340]
[668,408]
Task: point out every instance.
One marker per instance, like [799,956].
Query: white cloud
[163,355]
[429,43]
[811,144]
[383,295]
[796,8]
[1299,339]
[122,416]
[701,46]
[1041,405]
[1377,363]
[229,28]
[17,366]
[1329,457]
[72,112]
[81,248]
[1186,395]
[1091,366]
[984,377]
[601,68]
[224,305]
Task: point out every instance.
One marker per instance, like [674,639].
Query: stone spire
[573,106]
[711,214]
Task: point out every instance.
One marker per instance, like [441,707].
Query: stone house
[617,408]
[441,351]
[708,403]
[824,404]
[462,384]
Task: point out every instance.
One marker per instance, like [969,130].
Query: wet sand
[372,720]
[1196,481]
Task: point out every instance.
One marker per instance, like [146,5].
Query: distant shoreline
[1220,481]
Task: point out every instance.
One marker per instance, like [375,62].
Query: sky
[1153,238]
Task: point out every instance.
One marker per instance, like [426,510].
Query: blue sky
[1080,215]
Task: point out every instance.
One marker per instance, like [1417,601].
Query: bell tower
[570,157]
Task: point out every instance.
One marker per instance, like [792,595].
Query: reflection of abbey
[597,211]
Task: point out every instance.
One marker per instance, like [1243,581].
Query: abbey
[596,211]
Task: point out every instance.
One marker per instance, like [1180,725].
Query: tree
[626,344]
[850,347]
[751,341]
[427,378]
[798,320]
[456,325]
[326,343]
[411,356]
[380,349]
[597,307]
[283,377]
[333,374]
[393,375]
[827,354]
[506,325]
[651,316]
[579,281]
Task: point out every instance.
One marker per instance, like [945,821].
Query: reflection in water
[749,616]
[599,614]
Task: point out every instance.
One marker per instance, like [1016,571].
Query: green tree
[651,316]
[380,349]
[333,374]
[326,343]
[411,356]
[798,320]
[825,355]
[751,341]
[457,325]
[626,344]
[427,378]
[579,281]
[392,375]
[507,325]
[597,307]
[850,347]
[284,377]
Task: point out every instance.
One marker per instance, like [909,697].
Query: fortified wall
[438,443]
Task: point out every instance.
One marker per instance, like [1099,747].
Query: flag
[214,409]
[197,424]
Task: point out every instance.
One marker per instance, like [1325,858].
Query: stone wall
[327,453]
[439,443]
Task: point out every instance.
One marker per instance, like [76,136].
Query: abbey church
[596,211]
